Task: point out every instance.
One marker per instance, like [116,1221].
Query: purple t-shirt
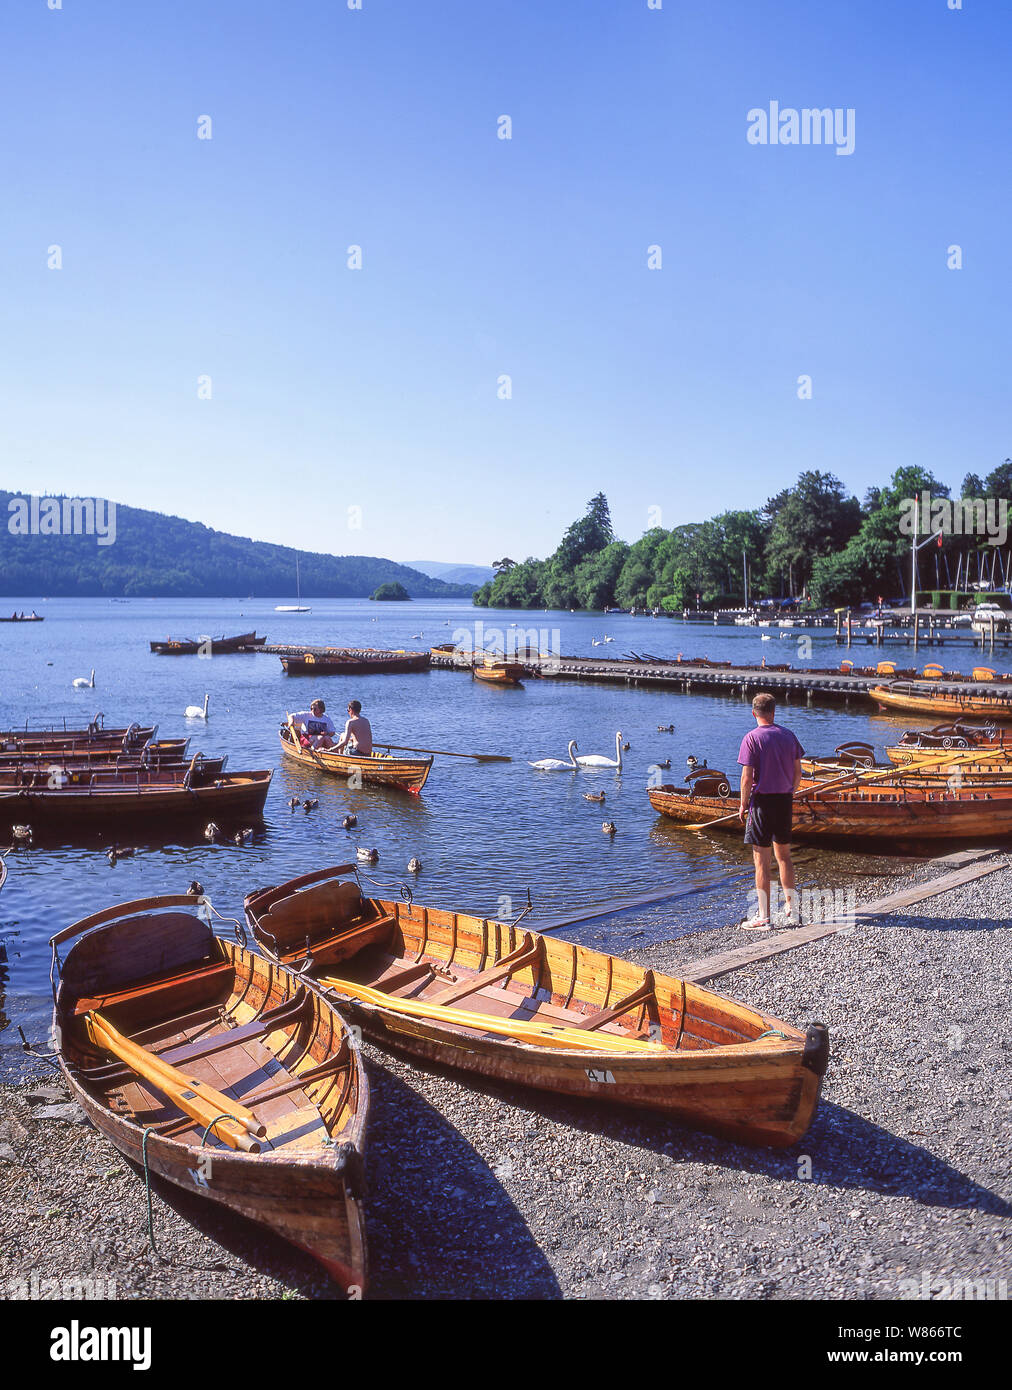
[771,750]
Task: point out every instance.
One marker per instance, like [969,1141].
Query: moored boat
[407,774]
[355,662]
[921,699]
[56,772]
[134,795]
[155,753]
[218,1070]
[212,646]
[504,1002]
[498,672]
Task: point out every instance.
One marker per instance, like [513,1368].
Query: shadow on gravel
[944,923]
[440,1224]
[846,1150]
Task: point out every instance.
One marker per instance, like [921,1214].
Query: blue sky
[673,389]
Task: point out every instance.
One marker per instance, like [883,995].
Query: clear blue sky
[673,389]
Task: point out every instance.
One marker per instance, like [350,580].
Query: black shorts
[769,818]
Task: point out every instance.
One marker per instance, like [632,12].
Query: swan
[82,682]
[594,642]
[596,759]
[195,712]
[607,638]
[557,764]
[765,638]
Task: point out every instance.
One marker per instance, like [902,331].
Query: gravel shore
[481,1191]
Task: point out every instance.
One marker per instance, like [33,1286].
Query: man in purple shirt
[770,759]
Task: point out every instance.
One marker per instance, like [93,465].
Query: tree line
[813,541]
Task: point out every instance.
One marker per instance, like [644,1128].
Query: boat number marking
[602,1076]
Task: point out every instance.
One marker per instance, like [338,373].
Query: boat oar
[543,1034]
[855,776]
[447,753]
[231,1122]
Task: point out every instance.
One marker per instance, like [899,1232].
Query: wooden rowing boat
[23,618]
[892,814]
[504,1002]
[492,672]
[157,753]
[212,646]
[352,662]
[379,769]
[173,998]
[76,807]
[921,699]
[94,736]
[51,772]
[986,737]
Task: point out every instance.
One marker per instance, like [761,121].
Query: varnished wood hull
[77,808]
[219,646]
[355,663]
[498,675]
[715,1070]
[888,816]
[304,1190]
[26,740]
[405,774]
[158,754]
[996,707]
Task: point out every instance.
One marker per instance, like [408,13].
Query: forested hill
[164,556]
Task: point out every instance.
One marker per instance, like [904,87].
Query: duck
[294,801]
[593,796]
[692,763]
[83,683]
[212,832]
[22,834]
[241,836]
[348,822]
[626,747]
[558,764]
[666,763]
[196,889]
[114,852]
[310,804]
[609,827]
[368,856]
[195,711]
[414,866]
[665,728]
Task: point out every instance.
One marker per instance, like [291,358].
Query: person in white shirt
[315,725]
[357,736]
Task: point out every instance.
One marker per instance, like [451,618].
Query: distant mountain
[454,574]
[59,547]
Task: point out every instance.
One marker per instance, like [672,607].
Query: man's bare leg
[761,921]
[785,865]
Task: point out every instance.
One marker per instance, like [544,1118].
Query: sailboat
[294,607]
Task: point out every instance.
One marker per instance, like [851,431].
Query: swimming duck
[348,822]
[310,804]
[593,796]
[609,827]
[368,856]
[212,832]
[414,866]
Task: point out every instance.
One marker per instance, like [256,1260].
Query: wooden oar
[854,776]
[544,1034]
[446,753]
[194,1098]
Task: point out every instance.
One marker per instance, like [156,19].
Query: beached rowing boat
[915,698]
[162,1028]
[384,770]
[351,662]
[884,813]
[210,646]
[504,1002]
[141,798]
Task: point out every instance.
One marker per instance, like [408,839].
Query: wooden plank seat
[151,989]
[643,995]
[346,941]
[288,1012]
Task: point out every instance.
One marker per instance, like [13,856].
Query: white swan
[596,760]
[594,642]
[83,684]
[606,638]
[195,711]
[557,764]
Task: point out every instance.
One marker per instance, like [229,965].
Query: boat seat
[525,954]
[346,941]
[404,979]
[644,994]
[151,990]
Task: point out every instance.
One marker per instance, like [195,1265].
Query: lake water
[485,833]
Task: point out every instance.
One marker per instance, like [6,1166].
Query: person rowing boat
[314,727]
[357,735]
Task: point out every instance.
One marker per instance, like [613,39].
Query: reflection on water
[486,833]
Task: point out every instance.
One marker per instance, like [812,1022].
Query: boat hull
[896,815]
[76,808]
[306,1192]
[354,663]
[219,646]
[994,707]
[722,1067]
[405,774]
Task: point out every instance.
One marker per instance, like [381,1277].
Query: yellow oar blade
[543,1034]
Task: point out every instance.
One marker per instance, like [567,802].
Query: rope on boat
[184,1264]
[772,1033]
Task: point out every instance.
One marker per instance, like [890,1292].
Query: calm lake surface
[485,833]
